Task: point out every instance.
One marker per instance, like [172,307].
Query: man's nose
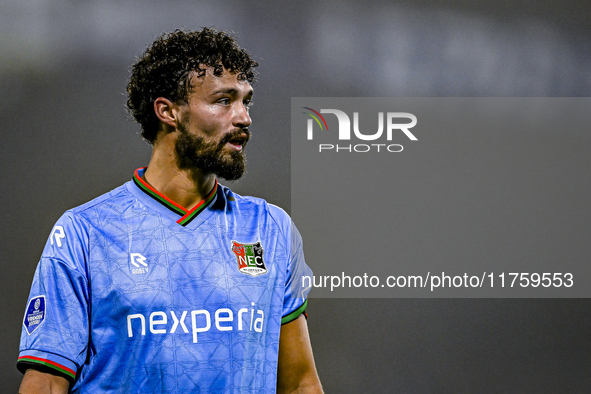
[242,117]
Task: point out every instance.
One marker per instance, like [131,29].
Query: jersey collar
[186,215]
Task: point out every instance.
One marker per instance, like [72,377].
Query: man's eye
[224,101]
[248,103]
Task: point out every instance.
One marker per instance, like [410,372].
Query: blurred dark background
[67,139]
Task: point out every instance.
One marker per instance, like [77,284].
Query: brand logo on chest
[249,258]
[138,264]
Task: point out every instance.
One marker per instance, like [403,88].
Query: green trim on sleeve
[29,361]
[295,314]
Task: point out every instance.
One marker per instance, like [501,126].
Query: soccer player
[172,283]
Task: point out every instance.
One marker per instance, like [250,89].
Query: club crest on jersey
[249,258]
[35,314]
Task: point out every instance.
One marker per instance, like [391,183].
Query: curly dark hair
[165,70]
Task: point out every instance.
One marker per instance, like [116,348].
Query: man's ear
[166,111]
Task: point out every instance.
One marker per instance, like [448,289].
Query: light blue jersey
[135,294]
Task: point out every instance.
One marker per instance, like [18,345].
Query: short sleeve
[299,278]
[55,330]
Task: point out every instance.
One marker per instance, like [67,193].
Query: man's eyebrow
[231,91]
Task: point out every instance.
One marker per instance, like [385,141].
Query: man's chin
[231,173]
[229,176]
[229,167]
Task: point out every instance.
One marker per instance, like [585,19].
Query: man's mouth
[238,141]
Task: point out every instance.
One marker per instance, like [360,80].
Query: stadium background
[67,139]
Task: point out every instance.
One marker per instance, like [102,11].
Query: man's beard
[196,152]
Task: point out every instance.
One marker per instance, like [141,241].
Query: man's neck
[186,187]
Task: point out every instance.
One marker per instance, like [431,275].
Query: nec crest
[249,257]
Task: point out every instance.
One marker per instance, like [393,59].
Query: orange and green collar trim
[186,215]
